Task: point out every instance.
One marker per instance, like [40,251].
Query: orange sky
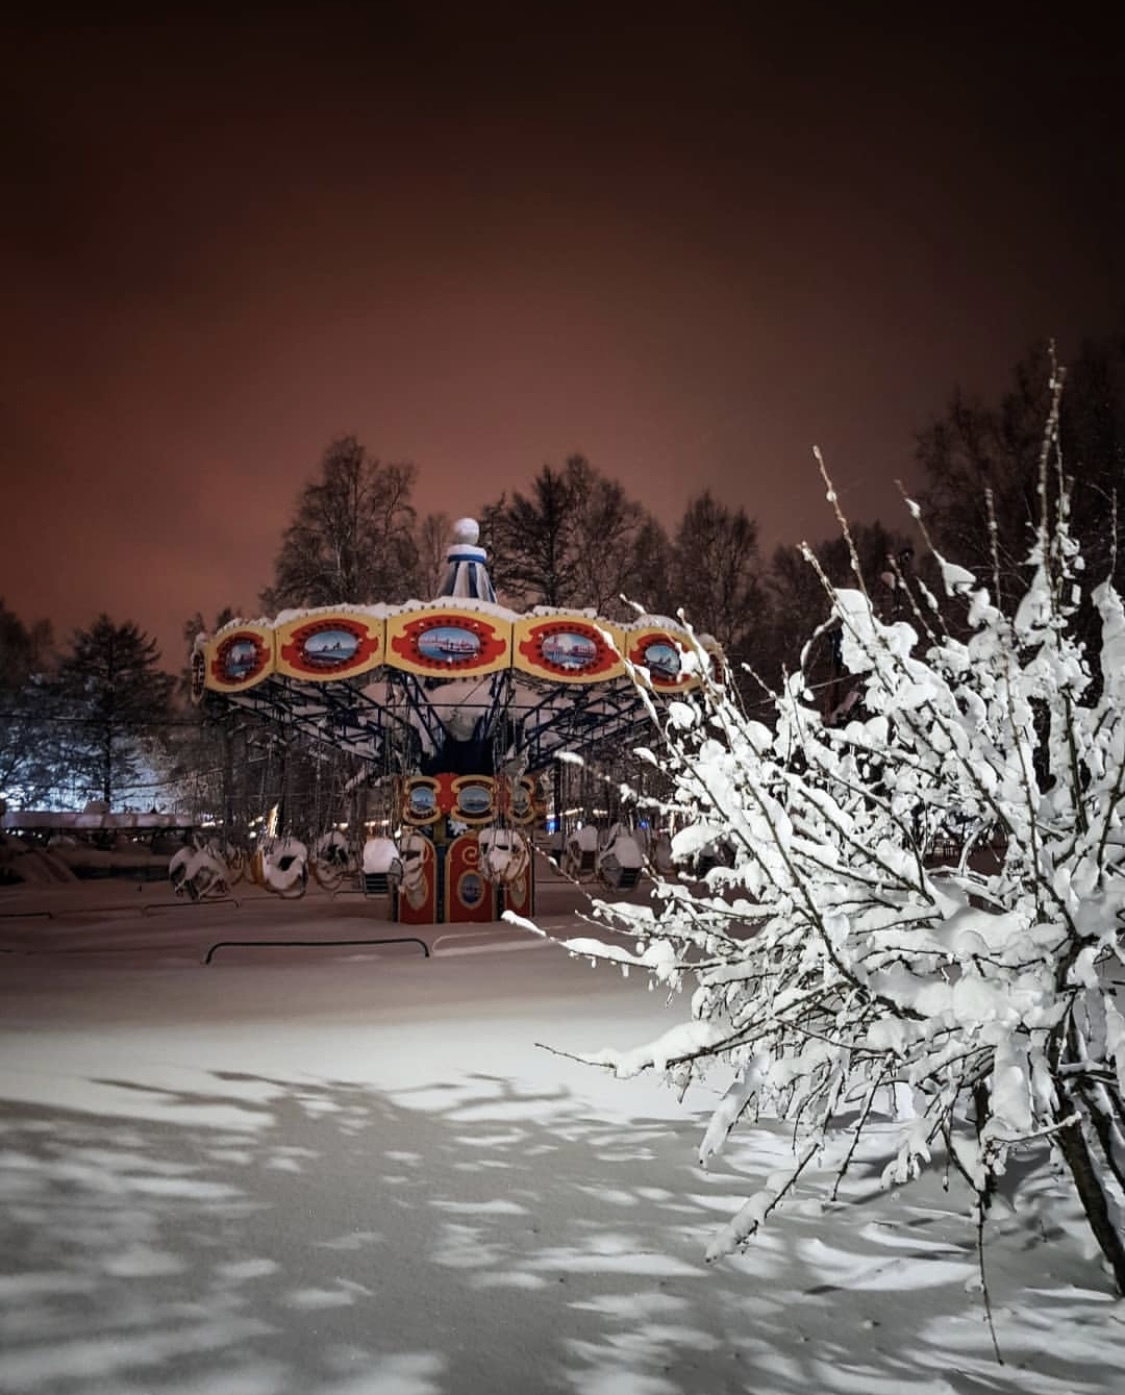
[690,252]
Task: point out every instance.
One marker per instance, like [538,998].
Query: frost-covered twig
[837,958]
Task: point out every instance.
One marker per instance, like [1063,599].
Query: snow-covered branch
[927,896]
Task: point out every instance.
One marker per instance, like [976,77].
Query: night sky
[484,237]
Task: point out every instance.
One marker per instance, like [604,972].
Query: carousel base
[446,886]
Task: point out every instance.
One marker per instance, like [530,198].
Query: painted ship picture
[448,643]
[329,649]
[662,659]
[569,650]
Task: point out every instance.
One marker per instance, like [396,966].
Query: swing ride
[459,708]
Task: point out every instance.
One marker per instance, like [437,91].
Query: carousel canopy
[459,684]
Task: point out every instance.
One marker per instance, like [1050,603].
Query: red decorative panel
[468,897]
[329,646]
[447,642]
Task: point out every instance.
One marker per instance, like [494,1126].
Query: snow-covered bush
[925,909]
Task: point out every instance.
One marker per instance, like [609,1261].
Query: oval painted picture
[520,799]
[661,658]
[240,657]
[448,643]
[470,890]
[570,650]
[474,800]
[329,648]
[421,799]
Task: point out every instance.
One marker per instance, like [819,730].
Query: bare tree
[715,570]
[611,541]
[29,737]
[576,539]
[796,602]
[981,465]
[433,538]
[529,542]
[352,537]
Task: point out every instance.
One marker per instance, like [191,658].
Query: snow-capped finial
[467,574]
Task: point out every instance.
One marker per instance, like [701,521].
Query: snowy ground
[345,1171]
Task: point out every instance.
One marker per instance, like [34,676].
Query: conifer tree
[115,700]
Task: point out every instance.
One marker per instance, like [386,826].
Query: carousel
[458,710]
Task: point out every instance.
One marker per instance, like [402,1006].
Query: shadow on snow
[472,1238]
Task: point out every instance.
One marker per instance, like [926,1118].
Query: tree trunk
[1071,1140]
[107,771]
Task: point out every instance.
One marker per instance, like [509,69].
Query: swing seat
[617,878]
[382,867]
[579,865]
[581,856]
[621,861]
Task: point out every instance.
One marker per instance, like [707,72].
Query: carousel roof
[457,683]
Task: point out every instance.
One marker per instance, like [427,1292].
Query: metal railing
[313,944]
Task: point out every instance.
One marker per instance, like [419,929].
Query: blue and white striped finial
[466,575]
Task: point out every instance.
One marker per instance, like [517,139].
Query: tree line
[101,719]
